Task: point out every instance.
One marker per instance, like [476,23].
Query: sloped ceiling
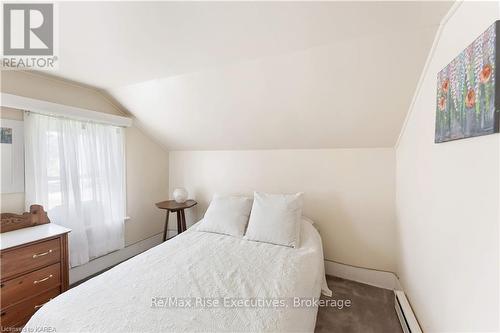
[254,75]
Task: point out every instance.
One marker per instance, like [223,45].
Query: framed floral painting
[467,102]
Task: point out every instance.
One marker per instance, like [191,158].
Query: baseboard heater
[406,316]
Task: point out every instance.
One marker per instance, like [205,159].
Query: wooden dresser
[34,269]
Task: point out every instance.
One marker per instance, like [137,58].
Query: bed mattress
[198,282]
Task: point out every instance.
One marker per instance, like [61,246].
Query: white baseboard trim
[381,279]
[96,265]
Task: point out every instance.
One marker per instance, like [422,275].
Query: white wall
[307,99]
[147,183]
[147,162]
[448,203]
[348,192]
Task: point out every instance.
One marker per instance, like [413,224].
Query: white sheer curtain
[76,171]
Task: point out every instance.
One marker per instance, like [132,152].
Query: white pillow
[227,215]
[275,219]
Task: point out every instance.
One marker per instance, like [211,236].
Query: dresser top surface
[31,234]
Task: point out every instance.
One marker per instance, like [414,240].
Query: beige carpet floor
[371,309]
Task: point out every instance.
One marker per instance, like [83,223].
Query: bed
[198,282]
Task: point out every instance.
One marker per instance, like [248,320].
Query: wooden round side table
[171,206]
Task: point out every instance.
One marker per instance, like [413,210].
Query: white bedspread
[199,266]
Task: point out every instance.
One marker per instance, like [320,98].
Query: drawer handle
[44,279]
[36,307]
[41,254]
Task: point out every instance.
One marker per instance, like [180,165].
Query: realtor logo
[28,29]
[29,36]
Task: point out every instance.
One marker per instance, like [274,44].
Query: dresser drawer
[27,258]
[25,286]
[13,314]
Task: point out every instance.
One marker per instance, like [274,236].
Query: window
[76,170]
